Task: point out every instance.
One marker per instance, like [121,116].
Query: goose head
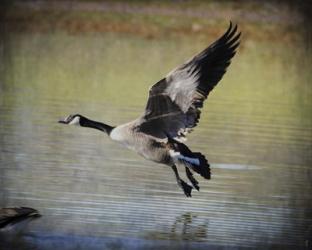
[72,120]
[82,121]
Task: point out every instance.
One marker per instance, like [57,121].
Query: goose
[172,111]
[11,216]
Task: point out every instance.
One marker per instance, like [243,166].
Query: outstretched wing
[174,102]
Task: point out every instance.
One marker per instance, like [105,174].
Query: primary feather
[173,106]
[172,110]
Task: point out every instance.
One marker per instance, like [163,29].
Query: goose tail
[201,166]
[196,161]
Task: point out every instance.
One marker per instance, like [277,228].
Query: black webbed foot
[191,178]
[187,189]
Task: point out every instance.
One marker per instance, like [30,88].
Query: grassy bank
[153,19]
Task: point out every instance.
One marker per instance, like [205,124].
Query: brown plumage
[173,110]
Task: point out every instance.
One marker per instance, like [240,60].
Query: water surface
[255,130]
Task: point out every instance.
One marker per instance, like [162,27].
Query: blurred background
[98,58]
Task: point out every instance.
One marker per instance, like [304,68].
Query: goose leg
[191,178]
[187,189]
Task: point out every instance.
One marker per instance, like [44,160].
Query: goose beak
[63,121]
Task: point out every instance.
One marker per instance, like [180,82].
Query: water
[255,130]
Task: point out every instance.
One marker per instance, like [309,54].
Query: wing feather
[173,106]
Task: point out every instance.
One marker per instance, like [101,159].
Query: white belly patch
[118,134]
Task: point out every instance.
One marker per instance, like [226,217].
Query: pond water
[255,130]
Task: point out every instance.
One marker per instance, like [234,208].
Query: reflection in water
[184,226]
[187,226]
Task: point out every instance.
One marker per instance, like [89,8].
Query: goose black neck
[85,122]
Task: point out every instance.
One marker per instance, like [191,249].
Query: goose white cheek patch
[75,121]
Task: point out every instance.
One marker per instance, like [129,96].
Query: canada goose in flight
[172,110]
[15,215]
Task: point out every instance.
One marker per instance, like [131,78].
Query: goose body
[173,110]
[15,215]
[150,147]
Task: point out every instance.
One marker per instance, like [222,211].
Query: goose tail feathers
[203,167]
[194,160]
